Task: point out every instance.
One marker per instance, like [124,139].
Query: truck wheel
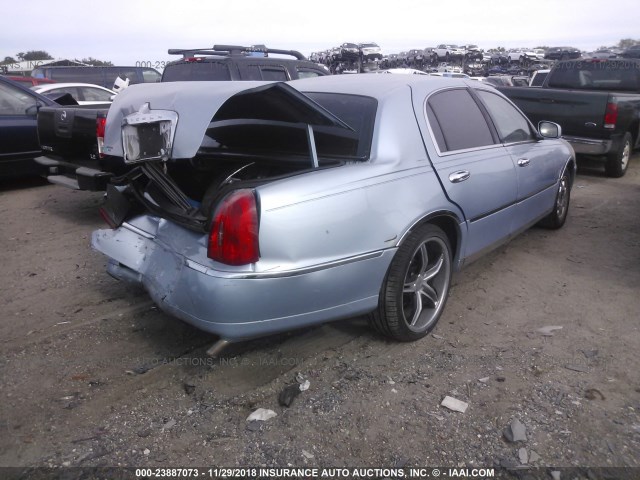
[558,216]
[617,162]
[416,287]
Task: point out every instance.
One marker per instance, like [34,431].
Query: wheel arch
[634,130]
[571,165]
[450,225]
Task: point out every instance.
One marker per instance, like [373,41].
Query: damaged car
[259,207]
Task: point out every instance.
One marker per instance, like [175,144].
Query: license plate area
[146,141]
[148,135]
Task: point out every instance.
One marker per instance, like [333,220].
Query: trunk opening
[187,191]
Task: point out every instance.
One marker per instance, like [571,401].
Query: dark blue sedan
[18,128]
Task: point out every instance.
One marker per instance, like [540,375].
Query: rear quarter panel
[357,208]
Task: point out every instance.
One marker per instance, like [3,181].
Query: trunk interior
[187,191]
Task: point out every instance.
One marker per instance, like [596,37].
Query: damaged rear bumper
[238,306]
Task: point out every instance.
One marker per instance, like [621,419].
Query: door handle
[459,176]
[523,162]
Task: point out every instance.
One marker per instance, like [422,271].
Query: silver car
[252,208]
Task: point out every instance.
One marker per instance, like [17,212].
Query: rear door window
[150,75]
[54,92]
[95,94]
[308,73]
[123,73]
[197,71]
[267,72]
[457,122]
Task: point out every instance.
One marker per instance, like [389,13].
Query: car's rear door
[476,171]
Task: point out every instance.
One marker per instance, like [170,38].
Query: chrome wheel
[416,287]
[562,199]
[626,153]
[558,215]
[426,284]
[618,160]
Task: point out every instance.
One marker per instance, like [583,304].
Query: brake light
[101,122]
[611,115]
[233,239]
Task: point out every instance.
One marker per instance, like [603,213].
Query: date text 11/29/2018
[343,473]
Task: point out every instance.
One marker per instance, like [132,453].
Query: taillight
[234,231]
[611,115]
[100,126]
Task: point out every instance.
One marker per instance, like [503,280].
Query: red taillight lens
[611,115]
[234,232]
[100,126]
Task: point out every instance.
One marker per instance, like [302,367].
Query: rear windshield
[196,71]
[289,140]
[599,75]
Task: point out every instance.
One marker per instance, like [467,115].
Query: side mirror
[549,129]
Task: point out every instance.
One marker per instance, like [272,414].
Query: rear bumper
[73,175]
[591,146]
[241,306]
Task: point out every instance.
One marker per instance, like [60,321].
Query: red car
[31,81]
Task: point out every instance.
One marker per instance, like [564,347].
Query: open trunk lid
[242,138]
[179,113]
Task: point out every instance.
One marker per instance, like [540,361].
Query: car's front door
[534,159]
[18,129]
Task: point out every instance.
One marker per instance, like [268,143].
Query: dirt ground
[92,374]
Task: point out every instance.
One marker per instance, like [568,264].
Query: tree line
[43,55]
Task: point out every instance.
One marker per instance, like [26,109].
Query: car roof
[376,86]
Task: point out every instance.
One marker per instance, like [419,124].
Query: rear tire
[617,162]
[416,287]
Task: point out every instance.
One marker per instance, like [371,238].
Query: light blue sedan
[252,208]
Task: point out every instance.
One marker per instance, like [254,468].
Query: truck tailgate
[69,132]
[574,110]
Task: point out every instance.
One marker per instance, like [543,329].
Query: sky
[139,32]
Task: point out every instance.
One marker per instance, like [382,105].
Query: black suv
[632,52]
[231,62]
[561,53]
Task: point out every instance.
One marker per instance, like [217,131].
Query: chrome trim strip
[585,141]
[464,150]
[589,146]
[138,231]
[281,274]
